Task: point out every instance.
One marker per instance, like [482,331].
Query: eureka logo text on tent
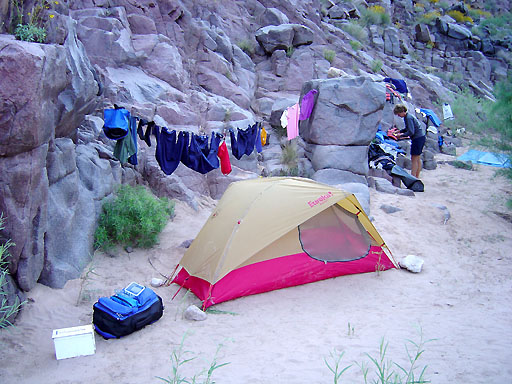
[322,199]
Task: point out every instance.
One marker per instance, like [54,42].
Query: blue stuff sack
[116,123]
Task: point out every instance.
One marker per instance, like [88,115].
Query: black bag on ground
[409,180]
[127,311]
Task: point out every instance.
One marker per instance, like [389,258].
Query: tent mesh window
[334,235]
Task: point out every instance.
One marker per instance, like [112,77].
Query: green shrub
[356,45]
[376,65]
[356,31]
[469,112]
[501,110]
[498,27]
[374,15]
[28,24]
[7,310]
[30,33]
[329,55]
[289,156]
[134,217]
[429,17]
[246,46]
[289,51]
[460,17]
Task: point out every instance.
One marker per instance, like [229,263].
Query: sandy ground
[461,299]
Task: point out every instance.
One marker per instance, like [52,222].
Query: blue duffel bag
[127,311]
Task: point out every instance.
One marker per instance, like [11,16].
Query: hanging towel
[169,151]
[284,118]
[244,142]
[202,157]
[399,84]
[447,112]
[126,146]
[293,122]
[257,140]
[225,163]
[431,116]
[308,102]
[133,132]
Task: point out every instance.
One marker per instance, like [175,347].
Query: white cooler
[74,341]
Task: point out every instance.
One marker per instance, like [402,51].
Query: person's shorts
[417,145]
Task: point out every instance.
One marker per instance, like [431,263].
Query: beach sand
[461,299]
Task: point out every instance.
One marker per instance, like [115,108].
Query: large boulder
[272,16]
[349,158]
[80,97]
[79,180]
[392,42]
[32,78]
[283,37]
[106,35]
[23,201]
[458,32]
[347,111]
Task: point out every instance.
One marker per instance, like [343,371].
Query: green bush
[289,156]
[429,17]
[356,45]
[134,217]
[374,15]
[356,31]
[329,55]
[30,33]
[377,65]
[246,46]
[469,112]
[501,110]
[498,27]
[7,310]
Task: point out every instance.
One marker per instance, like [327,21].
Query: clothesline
[197,152]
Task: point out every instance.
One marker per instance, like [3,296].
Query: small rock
[129,249]
[194,313]
[412,263]
[156,282]
[186,244]
[389,208]
[405,192]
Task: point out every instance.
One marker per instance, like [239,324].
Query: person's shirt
[413,127]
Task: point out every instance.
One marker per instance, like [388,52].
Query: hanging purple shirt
[307,104]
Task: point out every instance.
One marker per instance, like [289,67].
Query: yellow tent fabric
[257,219]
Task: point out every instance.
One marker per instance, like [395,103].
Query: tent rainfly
[277,232]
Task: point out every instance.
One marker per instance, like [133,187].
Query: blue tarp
[432,116]
[487,158]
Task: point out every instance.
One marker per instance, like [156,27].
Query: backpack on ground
[127,311]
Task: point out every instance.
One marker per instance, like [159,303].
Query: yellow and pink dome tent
[277,232]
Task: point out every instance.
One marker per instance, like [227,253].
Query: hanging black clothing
[244,142]
[200,156]
[169,151]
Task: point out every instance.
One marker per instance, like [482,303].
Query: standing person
[417,133]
